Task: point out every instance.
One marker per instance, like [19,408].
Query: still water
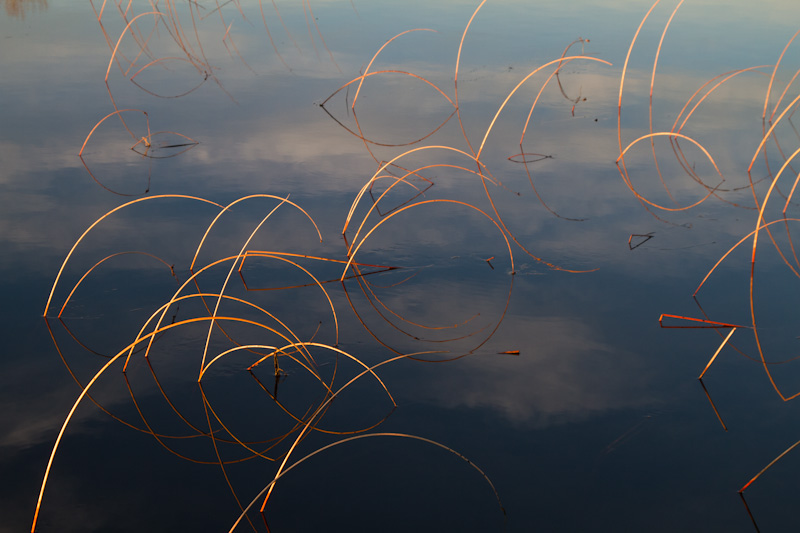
[403,230]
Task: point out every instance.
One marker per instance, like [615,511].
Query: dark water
[524,291]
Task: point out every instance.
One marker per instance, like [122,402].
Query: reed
[230,319]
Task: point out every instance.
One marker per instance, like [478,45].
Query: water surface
[526,287]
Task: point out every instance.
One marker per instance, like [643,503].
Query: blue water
[529,318]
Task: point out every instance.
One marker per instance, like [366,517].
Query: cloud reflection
[565,372]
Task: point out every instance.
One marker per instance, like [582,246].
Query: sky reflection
[558,376]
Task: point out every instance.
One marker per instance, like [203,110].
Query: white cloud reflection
[565,372]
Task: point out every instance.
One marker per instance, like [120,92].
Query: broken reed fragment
[642,238]
[721,346]
[711,323]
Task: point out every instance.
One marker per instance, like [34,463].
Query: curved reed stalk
[455,75]
[227,279]
[741,241]
[365,286]
[148,337]
[481,167]
[783,94]
[759,225]
[319,410]
[622,77]
[764,139]
[96,222]
[368,292]
[374,57]
[86,274]
[623,167]
[176,298]
[522,82]
[211,434]
[300,421]
[725,77]
[772,79]
[675,128]
[363,77]
[85,391]
[626,178]
[650,106]
[242,199]
[376,203]
[288,336]
[416,191]
[122,35]
[778,458]
[117,112]
[242,253]
[198,432]
[382,168]
[357,437]
[328,388]
[238,259]
[352,254]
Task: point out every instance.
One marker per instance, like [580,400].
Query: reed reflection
[18,8]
